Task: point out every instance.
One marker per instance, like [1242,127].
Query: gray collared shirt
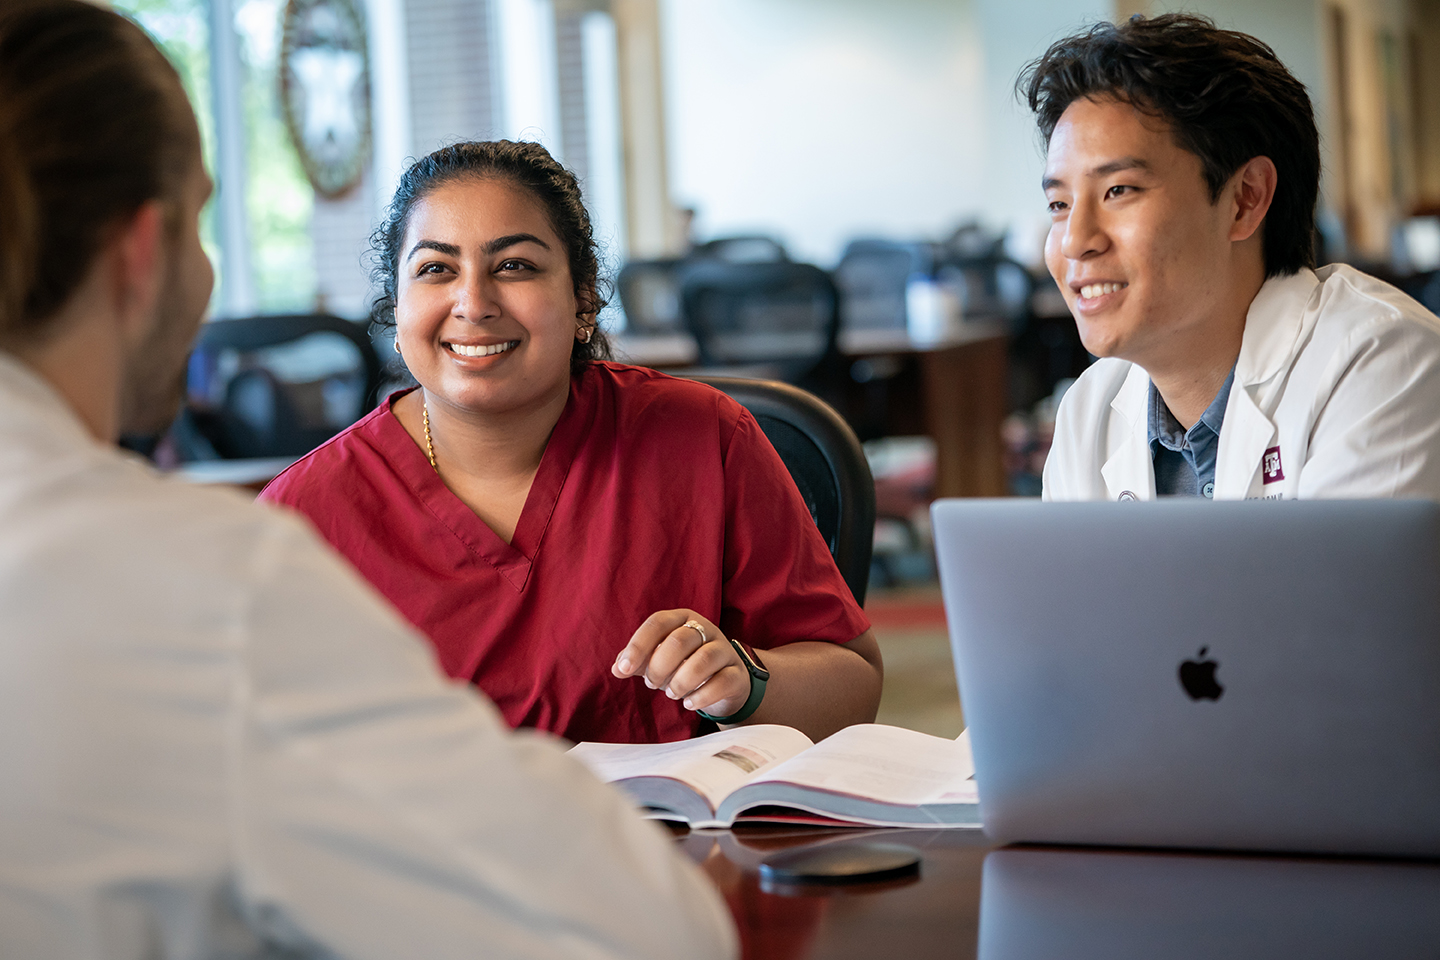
[1185,459]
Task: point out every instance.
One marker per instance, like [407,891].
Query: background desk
[954,391]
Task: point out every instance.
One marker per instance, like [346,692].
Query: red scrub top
[653,493]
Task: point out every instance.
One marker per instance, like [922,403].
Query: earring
[586,333]
[396,344]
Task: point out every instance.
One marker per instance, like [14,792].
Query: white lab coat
[1336,395]
[217,741]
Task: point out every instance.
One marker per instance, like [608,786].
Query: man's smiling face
[1141,254]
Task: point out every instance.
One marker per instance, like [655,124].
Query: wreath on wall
[325,91]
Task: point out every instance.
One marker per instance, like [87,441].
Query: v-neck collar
[513,560]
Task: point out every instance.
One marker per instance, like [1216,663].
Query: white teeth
[1092,290]
[478,351]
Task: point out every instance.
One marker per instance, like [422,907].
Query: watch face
[756,664]
[325,91]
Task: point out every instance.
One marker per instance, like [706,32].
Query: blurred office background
[811,121]
[881,141]
[878,140]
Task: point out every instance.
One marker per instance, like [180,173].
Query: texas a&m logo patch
[1270,469]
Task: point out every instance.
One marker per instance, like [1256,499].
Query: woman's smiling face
[486,314]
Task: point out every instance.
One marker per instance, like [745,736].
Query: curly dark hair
[527,165]
[1225,95]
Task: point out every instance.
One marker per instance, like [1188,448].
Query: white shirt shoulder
[1348,303]
[217,738]
[1365,386]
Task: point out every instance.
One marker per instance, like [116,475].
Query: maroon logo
[1270,470]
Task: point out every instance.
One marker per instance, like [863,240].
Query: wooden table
[972,900]
[935,916]
[953,390]
[963,400]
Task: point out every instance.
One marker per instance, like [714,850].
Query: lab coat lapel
[1129,472]
[1273,328]
[1244,438]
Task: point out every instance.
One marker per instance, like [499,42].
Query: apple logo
[1198,678]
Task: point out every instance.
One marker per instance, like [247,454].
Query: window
[280,248]
[257,226]
[182,30]
[279,199]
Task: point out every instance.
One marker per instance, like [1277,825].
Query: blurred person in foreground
[217,741]
[1182,173]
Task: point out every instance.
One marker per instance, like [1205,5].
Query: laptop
[1183,673]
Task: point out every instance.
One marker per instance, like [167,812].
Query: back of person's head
[1225,95]
[528,166]
[94,123]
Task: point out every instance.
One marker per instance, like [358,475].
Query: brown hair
[17,227]
[93,124]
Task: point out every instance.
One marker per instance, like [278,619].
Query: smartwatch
[758,677]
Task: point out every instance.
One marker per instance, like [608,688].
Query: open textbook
[866,775]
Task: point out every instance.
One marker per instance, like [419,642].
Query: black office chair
[275,386]
[747,248]
[996,287]
[1428,292]
[650,296]
[779,320]
[826,462]
[872,275]
[1430,295]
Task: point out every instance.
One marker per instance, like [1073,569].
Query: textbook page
[888,764]
[712,766]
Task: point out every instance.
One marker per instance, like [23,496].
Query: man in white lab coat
[216,740]
[1182,172]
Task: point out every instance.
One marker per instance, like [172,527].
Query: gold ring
[695,625]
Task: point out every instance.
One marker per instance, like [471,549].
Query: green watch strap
[758,678]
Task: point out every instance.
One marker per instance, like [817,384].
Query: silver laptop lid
[1319,622]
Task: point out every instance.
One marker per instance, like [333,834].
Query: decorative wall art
[325,91]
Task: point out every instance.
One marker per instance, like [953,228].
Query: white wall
[1014,34]
[820,119]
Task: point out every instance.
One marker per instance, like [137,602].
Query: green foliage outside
[279,199]
[182,30]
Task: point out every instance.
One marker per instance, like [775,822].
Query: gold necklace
[429,446]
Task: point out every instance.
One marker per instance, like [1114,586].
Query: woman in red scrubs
[581,539]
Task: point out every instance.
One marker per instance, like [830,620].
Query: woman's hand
[817,687]
[705,673]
